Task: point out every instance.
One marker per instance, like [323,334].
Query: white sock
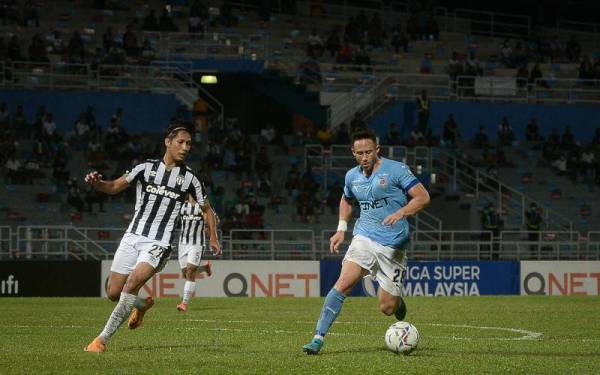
[139,303]
[188,291]
[318,337]
[118,316]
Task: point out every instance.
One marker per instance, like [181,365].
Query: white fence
[96,243]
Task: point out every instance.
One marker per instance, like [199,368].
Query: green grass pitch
[466,335]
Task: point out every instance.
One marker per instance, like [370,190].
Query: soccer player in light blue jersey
[387,193]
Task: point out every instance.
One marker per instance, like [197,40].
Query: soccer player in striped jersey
[387,193]
[194,223]
[162,186]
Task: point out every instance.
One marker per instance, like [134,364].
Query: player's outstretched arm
[108,187]
[345,214]
[419,200]
[211,222]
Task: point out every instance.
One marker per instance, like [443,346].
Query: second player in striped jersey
[192,241]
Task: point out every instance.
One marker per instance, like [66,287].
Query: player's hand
[335,241]
[93,178]
[393,218]
[215,247]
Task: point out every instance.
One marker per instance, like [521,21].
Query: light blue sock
[331,309]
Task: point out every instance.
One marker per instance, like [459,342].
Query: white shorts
[135,249]
[385,264]
[189,254]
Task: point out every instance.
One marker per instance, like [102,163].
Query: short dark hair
[364,134]
[176,127]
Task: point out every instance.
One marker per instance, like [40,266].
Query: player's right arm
[108,187]
[345,215]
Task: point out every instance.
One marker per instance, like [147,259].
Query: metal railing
[58,241]
[585,32]
[6,241]
[468,179]
[185,46]
[543,245]
[270,244]
[174,77]
[68,242]
[492,24]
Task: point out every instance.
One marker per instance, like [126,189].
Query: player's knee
[386,308]
[112,294]
[190,273]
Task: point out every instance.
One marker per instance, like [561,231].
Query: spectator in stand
[130,42]
[49,129]
[14,49]
[586,70]
[108,39]
[361,57]
[587,162]
[506,135]
[19,124]
[423,107]
[92,196]
[268,135]
[314,44]
[451,133]
[573,50]
[481,139]
[533,223]
[506,54]
[76,49]
[375,31]
[14,170]
[399,39]
[74,195]
[455,67]
[567,140]
[532,131]
[37,49]
[522,76]
[535,77]
[560,165]
[426,65]
[59,169]
[333,43]
[4,118]
[345,54]
[393,135]
[333,197]
[357,123]
[324,136]
[30,14]
[150,22]
[341,135]
[556,49]
[165,23]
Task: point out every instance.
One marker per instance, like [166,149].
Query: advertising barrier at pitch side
[450,278]
[232,278]
[551,278]
[49,279]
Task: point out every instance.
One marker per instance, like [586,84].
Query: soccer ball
[402,337]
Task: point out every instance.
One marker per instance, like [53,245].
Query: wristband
[342,226]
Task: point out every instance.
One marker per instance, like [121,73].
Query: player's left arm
[419,199]
[211,223]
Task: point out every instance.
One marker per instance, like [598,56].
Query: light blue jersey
[379,195]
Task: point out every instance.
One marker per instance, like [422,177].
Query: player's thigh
[153,253]
[358,262]
[182,255]
[390,273]
[125,257]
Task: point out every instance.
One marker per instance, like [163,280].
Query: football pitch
[466,335]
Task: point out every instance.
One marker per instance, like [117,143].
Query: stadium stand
[264,184]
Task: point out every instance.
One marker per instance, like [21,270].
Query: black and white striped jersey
[159,196]
[192,224]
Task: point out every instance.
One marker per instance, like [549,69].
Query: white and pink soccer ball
[402,337]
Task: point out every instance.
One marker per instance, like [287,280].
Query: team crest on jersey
[382,180]
[179,180]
